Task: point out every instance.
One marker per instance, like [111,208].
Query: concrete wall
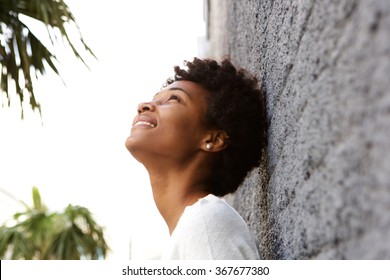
[323,190]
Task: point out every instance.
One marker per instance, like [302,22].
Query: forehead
[192,89]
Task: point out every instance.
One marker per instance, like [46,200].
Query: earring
[209,146]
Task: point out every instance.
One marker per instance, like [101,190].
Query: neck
[175,188]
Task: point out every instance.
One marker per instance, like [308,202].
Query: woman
[198,138]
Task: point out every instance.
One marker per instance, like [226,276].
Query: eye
[174,97]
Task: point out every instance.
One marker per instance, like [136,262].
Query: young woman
[198,138]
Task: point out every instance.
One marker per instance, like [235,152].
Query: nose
[145,106]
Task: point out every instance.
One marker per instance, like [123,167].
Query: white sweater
[211,229]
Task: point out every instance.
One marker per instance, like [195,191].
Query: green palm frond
[22,54]
[81,237]
[39,234]
[15,242]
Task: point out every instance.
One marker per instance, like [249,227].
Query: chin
[129,143]
[133,147]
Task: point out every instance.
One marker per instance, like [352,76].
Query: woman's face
[171,125]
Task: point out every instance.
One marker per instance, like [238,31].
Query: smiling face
[171,125]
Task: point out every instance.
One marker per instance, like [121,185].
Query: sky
[76,153]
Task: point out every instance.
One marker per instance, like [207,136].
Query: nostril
[143,107]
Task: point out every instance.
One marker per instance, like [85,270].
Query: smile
[139,123]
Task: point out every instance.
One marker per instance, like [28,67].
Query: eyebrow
[176,88]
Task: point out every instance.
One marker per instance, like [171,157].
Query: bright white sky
[78,155]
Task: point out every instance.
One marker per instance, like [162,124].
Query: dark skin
[170,138]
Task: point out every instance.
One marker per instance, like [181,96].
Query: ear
[215,141]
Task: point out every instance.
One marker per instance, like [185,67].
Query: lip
[143,120]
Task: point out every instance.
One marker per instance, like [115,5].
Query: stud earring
[209,146]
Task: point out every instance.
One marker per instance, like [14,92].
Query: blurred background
[75,153]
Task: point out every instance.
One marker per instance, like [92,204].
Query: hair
[236,105]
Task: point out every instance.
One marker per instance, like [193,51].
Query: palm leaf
[40,234]
[22,54]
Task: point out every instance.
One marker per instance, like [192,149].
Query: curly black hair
[236,105]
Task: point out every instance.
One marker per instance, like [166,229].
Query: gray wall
[323,190]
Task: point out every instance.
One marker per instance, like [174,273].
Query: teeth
[144,123]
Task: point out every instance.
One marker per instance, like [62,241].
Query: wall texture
[323,189]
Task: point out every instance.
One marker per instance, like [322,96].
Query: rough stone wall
[323,190]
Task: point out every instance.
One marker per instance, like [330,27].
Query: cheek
[180,128]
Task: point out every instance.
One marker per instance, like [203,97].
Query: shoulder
[214,212]
[212,229]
